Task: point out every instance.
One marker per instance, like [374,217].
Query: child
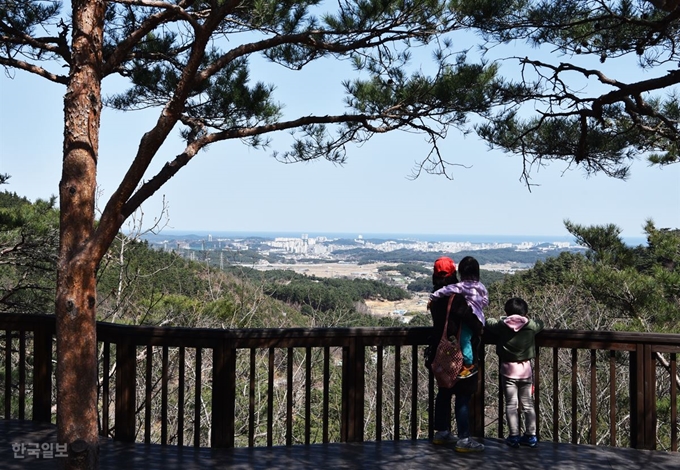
[477,297]
[515,348]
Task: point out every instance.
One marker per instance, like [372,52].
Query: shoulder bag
[448,359]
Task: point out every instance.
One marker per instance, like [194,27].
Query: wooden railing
[254,387]
[587,367]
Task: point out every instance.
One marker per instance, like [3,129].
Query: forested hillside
[28,254]
[139,285]
[611,286]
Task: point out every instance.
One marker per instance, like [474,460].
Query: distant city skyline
[280,252]
[212,235]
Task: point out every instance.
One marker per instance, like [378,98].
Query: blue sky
[233,188]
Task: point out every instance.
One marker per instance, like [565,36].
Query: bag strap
[446,322]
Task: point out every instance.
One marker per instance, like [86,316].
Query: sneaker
[513,441]
[529,441]
[469,445]
[467,371]
[444,438]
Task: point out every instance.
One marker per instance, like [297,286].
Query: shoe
[513,441]
[529,441]
[444,438]
[467,371]
[469,445]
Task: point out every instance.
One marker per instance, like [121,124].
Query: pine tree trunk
[76,283]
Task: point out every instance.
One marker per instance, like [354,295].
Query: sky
[232,188]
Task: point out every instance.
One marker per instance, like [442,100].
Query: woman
[445,274]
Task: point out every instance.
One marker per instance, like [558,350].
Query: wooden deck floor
[399,455]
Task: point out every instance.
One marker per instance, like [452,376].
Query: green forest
[610,286]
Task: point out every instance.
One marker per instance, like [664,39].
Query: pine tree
[190,59]
[570,107]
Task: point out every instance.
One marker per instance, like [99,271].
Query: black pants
[442,412]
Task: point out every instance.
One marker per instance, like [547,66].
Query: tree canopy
[584,106]
[193,60]
[28,244]
[612,286]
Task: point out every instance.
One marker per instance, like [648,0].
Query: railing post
[642,398]
[126,382]
[223,396]
[636,387]
[478,397]
[8,374]
[42,374]
[352,429]
[536,391]
[649,397]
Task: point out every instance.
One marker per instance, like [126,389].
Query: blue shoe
[512,441]
[529,441]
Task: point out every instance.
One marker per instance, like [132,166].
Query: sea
[471,238]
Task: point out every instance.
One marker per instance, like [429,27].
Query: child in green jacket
[516,347]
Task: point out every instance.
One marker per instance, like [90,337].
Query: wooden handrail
[355,347]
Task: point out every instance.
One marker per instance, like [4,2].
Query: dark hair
[516,306]
[469,269]
[438,281]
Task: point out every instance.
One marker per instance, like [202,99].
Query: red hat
[444,266]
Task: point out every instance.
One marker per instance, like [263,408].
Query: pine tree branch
[171,12]
[28,67]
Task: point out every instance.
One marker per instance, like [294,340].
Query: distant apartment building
[303,245]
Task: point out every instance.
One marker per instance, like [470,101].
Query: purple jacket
[475,294]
